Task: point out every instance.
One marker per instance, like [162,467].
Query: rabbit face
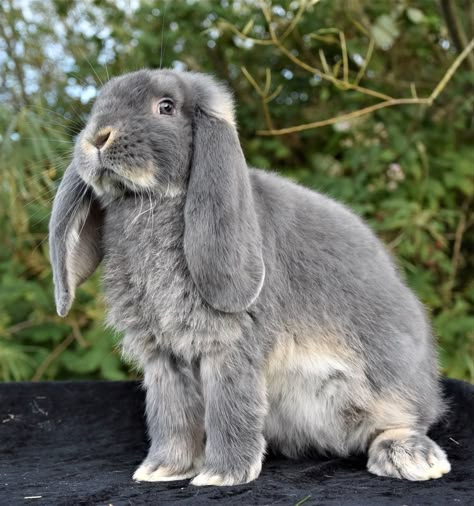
[138,137]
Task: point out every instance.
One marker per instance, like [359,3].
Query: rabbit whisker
[85,216]
[140,212]
[36,223]
[162,49]
[148,191]
[90,65]
[73,206]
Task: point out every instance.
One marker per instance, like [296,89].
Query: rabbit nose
[102,137]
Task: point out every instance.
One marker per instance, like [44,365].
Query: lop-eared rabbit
[262,313]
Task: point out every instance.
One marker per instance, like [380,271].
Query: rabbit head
[164,133]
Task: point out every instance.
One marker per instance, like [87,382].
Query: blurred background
[406,166]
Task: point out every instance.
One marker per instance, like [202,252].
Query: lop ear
[222,240]
[74,237]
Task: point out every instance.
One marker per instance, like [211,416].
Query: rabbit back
[352,348]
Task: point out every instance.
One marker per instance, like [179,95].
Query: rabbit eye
[166,106]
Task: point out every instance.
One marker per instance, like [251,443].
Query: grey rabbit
[262,313]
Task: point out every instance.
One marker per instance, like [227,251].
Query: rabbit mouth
[108,181]
[106,173]
[110,176]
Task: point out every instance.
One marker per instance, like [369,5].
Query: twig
[329,77]
[302,501]
[345,63]
[367,59]
[277,91]
[242,35]
[457,244]
[324,62]
[78,335]
[52,356]
[458,237]
[274,41]
[344,83]
[346,117]
[381,105]
[263,93]
[449,74]
[338,82]
[295,20]
[20,326]
[455,28]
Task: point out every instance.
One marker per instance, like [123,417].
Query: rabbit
[263,314]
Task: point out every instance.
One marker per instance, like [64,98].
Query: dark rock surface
[78,443]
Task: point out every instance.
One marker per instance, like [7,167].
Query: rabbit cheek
[142,177]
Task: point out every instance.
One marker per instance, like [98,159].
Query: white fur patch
[217,99]
[407,455]
[415,468]
[145,473]
[312,381]
[220,480]
[143,180]
[72,241]
[260,286]
[222,107]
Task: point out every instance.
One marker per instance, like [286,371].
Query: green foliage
[408,170]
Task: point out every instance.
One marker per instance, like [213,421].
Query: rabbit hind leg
[407,453]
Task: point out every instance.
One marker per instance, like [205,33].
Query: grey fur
[260,311]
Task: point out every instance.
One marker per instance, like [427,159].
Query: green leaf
[415,15]
[384,31]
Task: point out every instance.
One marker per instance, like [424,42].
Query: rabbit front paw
[156,472]
[162,473]
[209,476]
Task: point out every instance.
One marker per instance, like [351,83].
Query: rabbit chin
[113,183]
[111,187]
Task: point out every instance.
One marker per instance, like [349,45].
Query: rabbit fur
[262,313]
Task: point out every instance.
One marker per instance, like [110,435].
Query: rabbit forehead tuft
[212,96]
[202,90]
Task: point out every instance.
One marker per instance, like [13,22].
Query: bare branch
[52,356]
[449,74]
[296,20]
[263,93]
[381,105]
[345,63]
[455,28]
[331,76]
[367,59]
[349,116]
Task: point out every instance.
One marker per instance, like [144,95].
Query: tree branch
[344,83]
[455,29]
[381,105]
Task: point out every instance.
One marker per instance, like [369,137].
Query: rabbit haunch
[260,311]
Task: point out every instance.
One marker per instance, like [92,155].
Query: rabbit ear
[222,240]
[74,237]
